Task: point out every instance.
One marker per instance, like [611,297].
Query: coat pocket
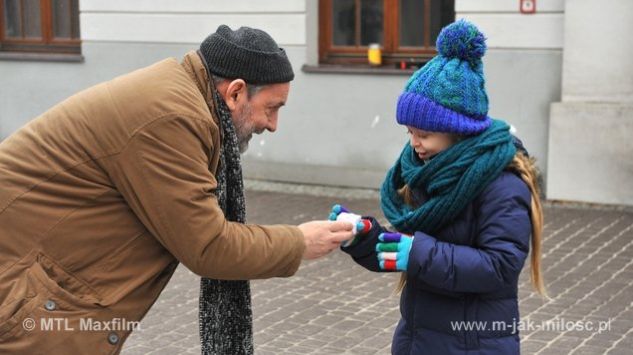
[41,285]
[46,316]
[73,293]
[13,312]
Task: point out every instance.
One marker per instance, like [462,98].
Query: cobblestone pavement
[333,306]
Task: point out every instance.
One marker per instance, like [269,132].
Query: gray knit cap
[246,53]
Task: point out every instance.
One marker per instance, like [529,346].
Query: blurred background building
[560,71]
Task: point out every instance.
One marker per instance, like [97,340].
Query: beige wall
[590,144]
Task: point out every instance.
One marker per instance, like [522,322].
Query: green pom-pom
[463,40]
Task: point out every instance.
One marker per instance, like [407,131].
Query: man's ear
[235,92]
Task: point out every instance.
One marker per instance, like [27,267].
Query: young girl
[464,202]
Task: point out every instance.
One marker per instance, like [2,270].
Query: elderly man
[104,194]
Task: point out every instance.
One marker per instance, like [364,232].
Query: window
[50,26]
[405,29]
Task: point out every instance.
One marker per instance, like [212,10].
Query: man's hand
[321,237]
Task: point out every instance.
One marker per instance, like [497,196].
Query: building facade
[564,82]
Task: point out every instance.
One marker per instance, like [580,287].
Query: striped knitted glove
[393,251]
[361,225]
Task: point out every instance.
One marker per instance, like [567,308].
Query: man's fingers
[339,226]
[340,237]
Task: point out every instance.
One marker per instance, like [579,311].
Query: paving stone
[333,306]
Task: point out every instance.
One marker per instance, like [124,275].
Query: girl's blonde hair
[525,167]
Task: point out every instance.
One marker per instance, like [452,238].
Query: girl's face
[427,144]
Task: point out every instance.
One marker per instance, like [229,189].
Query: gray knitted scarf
[226,320]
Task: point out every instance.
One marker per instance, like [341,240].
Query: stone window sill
[354,69]
[41,57]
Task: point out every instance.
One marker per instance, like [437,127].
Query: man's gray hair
[251,89]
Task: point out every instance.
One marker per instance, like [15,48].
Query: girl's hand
[340,213]
[393,251]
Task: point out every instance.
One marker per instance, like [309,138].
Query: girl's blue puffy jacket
[461,291]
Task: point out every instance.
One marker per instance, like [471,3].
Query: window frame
[392,52]
[47,43]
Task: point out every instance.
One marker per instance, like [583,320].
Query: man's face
[259,112]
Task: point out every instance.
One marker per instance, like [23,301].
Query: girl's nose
[414,142]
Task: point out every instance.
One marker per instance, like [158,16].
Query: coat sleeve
[500,251]
[163,174]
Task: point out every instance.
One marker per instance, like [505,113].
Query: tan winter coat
[102,196]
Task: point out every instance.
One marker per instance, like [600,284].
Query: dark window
[405,29]
[50,26]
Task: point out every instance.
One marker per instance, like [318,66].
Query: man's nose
[272,124]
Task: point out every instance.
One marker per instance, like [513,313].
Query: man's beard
[244,128]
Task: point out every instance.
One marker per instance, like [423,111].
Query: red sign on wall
[527,6]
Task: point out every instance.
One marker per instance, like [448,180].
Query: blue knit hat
[448,94]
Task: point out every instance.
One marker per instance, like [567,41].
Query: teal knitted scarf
[451,180]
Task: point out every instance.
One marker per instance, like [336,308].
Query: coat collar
[197,69]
